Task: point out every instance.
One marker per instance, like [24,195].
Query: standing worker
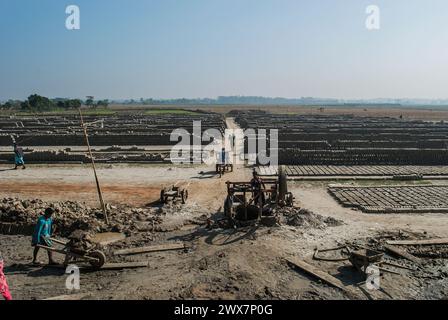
[42,234]
[257,188]
[223,156]
[18,157]
[221,163]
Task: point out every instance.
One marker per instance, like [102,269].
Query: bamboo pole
[98,187]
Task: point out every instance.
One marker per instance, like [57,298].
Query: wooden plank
[72,297]
[163,247]
[326,277]
[418,242]
[401,253]
[125,265]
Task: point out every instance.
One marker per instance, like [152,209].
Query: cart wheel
[97,255]
[217,168]
[231,168]
[162,196]
[184,196]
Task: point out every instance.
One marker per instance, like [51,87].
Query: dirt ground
[247,263]
[221,263]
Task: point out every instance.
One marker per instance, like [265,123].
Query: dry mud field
[216,260]
[220,263]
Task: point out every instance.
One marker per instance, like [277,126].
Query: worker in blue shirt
[18,157]
[42,234]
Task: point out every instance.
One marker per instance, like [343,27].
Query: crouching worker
[18,157]
[42,234]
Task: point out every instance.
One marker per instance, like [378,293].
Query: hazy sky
[206,48]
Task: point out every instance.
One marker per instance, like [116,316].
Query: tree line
[37,103]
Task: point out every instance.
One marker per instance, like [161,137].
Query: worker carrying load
[42,235]
[18,157]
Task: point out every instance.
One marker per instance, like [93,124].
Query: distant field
[415,113]
[63,112]
[169,111]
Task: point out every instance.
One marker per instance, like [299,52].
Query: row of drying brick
[394,199]
[323,170]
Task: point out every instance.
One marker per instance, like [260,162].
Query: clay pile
[304,218]
[71,216]
[80,241]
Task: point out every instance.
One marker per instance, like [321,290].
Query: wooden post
[245,206]
[98,187]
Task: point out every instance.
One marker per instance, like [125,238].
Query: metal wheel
[100,256]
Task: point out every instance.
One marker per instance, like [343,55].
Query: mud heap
[304,218]
[71,216]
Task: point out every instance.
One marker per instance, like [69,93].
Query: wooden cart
[173,193]
[221,169]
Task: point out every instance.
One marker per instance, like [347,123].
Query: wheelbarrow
[96,258]
[364,258]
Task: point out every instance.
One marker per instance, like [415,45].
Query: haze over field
[175,49]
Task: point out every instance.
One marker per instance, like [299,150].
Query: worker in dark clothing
[223,156]
[257,185]
[18,157]
[232,140]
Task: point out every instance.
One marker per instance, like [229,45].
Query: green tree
[103,103]
[73,104]
[25,106]
[38,103]
[61,104]
[90,102]
[12,104]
